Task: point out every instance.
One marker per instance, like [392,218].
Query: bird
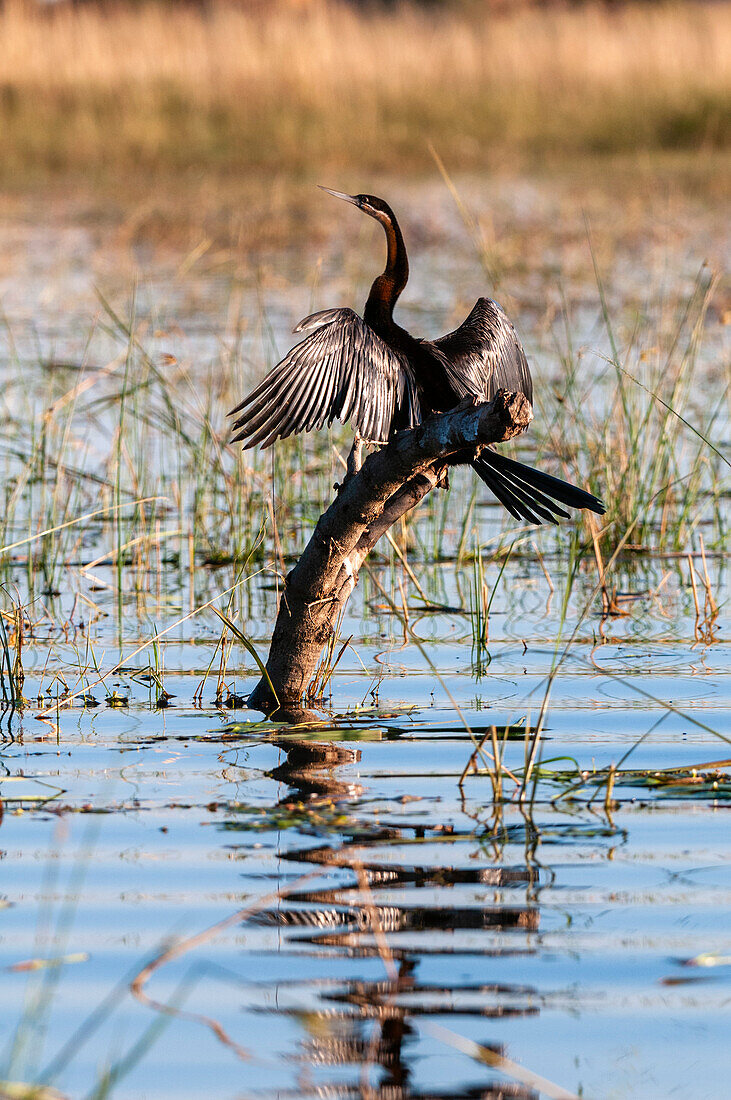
[371,372]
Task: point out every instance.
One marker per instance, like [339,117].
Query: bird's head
[369,204]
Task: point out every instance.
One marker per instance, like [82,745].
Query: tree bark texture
[391,482]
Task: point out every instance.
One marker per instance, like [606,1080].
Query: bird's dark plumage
[484,355]
[343,370]
[373,373]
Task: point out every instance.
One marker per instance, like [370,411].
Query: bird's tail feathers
[531,494]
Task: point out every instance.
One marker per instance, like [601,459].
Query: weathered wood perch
[390,482]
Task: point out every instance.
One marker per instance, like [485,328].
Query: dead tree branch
[391,482]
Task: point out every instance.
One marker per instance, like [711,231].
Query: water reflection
[310,769]
[376,1032]
[403,912]
[390,1091]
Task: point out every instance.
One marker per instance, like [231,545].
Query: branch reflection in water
[372,1024]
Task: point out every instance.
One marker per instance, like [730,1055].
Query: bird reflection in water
[373,1023]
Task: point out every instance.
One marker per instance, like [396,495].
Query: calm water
[555,932]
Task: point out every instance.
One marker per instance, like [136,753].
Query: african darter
[375,374]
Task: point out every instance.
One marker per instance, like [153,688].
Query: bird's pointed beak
[339,195]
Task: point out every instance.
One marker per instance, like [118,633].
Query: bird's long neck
[388,286]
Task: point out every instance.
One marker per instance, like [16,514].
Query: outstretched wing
[343,370]
[484,355]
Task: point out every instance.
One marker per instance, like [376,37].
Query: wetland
[496,862]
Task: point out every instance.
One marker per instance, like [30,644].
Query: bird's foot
[355,459]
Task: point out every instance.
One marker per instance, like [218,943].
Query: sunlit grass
[223,86]
[648,443]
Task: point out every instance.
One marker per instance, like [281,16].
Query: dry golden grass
[175,86]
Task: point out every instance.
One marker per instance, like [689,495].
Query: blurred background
[270,93]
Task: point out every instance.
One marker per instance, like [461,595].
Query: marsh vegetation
[263,88]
